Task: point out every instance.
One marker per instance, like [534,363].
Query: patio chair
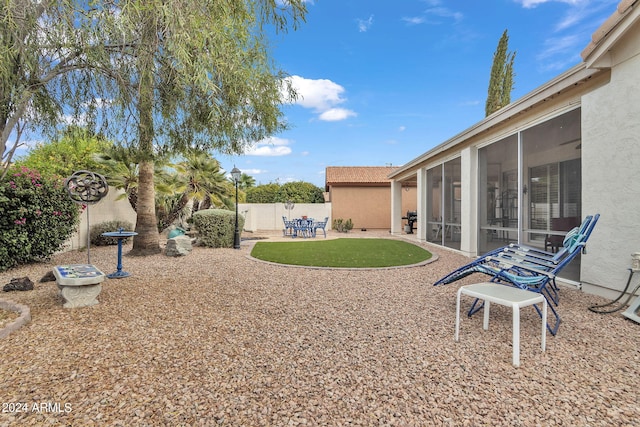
[523,253]
[288,227]
[302,227]
[533,273]
[539,256]
[319,225]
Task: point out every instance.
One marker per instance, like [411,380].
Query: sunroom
[516,176]
[534,169]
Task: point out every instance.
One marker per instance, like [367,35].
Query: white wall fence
[268,216]
[107,209]
[258,216]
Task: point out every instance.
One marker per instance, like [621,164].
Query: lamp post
[235,173]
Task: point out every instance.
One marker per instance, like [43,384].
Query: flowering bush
[36,217]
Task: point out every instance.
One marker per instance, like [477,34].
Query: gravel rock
[178,246]
[18,284]
[217,338]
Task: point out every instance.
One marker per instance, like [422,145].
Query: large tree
[194,75]
[46,65]
[501,80]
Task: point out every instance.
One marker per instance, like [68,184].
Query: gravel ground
[216,338]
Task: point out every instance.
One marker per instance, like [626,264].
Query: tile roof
[624,8]
[358,174]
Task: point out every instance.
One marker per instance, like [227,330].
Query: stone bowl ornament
[86,188]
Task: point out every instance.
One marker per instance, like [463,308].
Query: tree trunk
[133,198]
[147,242]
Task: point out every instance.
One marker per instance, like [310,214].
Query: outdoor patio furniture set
[303,227]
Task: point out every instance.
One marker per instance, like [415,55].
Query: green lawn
[350,252]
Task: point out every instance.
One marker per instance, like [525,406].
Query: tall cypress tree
[501,80]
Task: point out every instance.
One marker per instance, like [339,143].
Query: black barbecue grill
[412,217]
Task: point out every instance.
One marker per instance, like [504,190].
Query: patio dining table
[302,227]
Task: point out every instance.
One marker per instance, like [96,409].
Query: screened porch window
[530,187]
[498,176]
[444,204]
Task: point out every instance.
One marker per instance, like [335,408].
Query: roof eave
[569,78]
[597,53]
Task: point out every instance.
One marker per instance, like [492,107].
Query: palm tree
[120,166]
[246,181]
[198,179]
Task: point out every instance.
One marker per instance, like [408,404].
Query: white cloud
[32,143]
[98,103]
[434,11]
[414,20]
[336,114]
[402,128]
[365,24]
[254,171]
[533,3]
[286,3]
[80,120]
[444,12]
[319,94]
[581,18]
[557,46]
[322,96]
[270,147]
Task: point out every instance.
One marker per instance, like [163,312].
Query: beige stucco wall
[107,209]
[611,171]
[268,216]
[368,207]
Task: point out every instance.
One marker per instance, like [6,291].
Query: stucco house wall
[363,194]
[368,207]
[611,168]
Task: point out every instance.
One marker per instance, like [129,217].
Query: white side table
[507,296]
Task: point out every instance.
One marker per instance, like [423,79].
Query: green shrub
[265,193]
[342,226]
[36,217]
[299,192]
[216,227]
[96,231]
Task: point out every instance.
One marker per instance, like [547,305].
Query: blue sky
[382,82]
